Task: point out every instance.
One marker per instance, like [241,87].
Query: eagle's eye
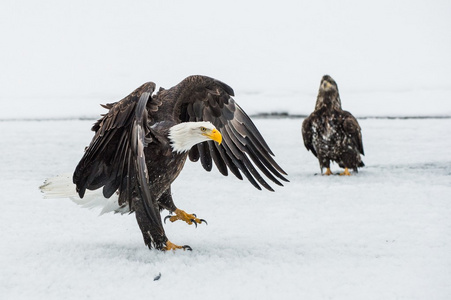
[203,129]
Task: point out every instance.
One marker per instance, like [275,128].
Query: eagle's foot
[188,218]
[171,246]
[328,172]
[345,173]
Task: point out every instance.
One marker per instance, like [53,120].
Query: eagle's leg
[188,218]
[345,172]
[171,246]
[166,202]
[153,234]
[324,163]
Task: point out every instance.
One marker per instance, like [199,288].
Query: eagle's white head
[185,135]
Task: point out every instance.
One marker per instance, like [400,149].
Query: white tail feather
[61,186]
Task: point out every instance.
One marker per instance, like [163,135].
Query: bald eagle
[331,133]
[141,144]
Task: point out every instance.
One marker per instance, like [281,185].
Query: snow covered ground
[382,234]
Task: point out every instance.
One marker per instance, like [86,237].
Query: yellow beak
[215,135]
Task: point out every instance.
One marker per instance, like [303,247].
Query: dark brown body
[331,133]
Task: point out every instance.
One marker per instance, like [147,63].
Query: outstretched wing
[307,134]
[115,158]
[243,149]
[352,128]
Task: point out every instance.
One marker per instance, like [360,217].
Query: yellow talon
[328,172]
[171,246]
[346,172]
[188,218]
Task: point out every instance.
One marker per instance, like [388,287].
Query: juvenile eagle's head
[328,84]
[185,135]
[328,93]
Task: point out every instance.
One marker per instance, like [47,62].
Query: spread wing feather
[243,150]
[115,158]
[219,162]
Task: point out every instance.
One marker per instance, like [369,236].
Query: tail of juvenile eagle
[62,186]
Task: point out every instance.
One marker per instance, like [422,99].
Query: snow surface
[382,234]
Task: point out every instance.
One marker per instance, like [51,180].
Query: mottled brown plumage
[131,152]
[333,134]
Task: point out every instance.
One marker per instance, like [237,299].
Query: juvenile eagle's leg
[153,234]
[325,163]
[345,172]
[166,202]
[328,172]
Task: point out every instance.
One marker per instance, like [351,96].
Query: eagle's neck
[328,101]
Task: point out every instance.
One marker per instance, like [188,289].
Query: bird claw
[328,172]
[198,222]
[345,173]
[194,221]
[165,218]
[171,246]
[188,218]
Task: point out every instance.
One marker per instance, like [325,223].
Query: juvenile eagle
[141,144]
[332,133]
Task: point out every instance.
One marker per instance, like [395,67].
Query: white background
[60,59]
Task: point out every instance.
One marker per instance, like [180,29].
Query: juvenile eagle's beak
[326,85]
[215,135]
